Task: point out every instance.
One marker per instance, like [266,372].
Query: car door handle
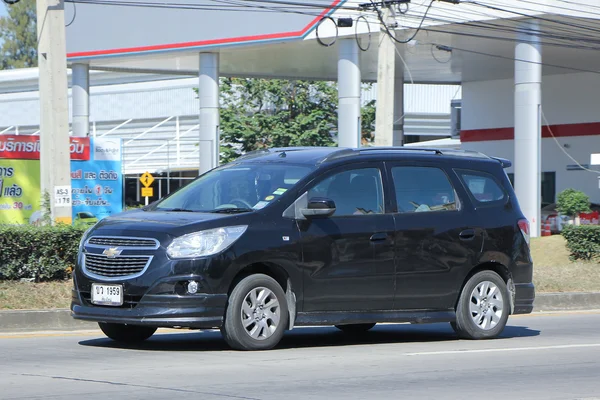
[377,237]
[467,234]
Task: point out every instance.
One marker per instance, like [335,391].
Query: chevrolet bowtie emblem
[112,252]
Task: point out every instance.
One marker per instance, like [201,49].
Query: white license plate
[107,295]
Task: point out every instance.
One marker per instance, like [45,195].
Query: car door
[348,257]
[437,237]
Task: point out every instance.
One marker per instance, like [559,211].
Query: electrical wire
[317,32]
[74,15]
[202,7]
[562,148]
[518,59]
[407,69]
[563,41]
[596,30]
[579,4]
[436,59]
[589,37]
[385,27]
[552,39]
[356,33]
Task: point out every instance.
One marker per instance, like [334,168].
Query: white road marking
[565,346]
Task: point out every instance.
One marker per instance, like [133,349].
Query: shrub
[38,253]
[571,202]
[583,241]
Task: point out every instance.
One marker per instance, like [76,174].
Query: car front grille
[139,243]
[115,267]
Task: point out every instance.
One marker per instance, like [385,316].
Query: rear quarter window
[484,188]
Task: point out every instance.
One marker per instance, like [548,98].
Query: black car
[315,236]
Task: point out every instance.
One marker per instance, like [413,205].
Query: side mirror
[319,207]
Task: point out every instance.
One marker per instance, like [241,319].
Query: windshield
[86,215]
[235,188]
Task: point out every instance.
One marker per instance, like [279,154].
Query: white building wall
[566,99]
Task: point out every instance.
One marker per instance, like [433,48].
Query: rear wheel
[126,333]
[483,307]
[355,329]
[256,315]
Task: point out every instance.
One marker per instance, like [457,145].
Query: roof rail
[342,152]
[395,148]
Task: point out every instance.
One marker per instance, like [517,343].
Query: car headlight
[205,243]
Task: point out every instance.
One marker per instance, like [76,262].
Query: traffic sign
[146,179]
[147,192]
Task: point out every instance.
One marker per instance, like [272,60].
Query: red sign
[28,147]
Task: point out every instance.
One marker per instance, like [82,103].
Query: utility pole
[386,69]
[55,157]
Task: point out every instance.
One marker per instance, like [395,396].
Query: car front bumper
[202,311]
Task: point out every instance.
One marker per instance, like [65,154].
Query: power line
[534,16]
[562,148]
[224,5]
[384,24]
[517,59]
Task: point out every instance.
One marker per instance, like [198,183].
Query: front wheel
[257,314]
[483,307]
[126,333]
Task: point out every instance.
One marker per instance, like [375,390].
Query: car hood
[139,222]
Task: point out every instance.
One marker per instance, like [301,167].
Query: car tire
[483,307]
[126,333]
[355,329]
[257,314]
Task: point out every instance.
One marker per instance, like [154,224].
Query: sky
[2,9]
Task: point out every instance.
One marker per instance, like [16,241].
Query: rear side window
[483,187]
[422,189]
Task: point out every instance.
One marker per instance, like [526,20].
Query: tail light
[524,227]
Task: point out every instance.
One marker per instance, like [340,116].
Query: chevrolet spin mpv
[314,236]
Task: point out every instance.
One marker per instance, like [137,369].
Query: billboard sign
[19,191]
[27,147]
[97,184]
[96,179]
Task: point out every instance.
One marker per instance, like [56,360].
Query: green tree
[571,202]
[262,113]
[368,123]
[18,36]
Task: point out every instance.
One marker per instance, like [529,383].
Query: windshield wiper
[174,209]
[231,210]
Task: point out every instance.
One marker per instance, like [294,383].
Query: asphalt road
[542,356]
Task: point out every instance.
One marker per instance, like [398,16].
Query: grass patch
[554,272]
[29,296]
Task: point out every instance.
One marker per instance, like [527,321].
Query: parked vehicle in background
[84,220]
[315,236]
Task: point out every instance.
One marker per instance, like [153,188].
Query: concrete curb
[41,320]
[61,320]
[566,301]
